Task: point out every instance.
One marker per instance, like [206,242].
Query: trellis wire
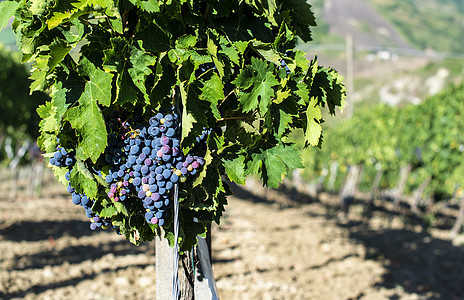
[175,275]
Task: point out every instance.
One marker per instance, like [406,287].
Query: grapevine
[146,95]
[427,136]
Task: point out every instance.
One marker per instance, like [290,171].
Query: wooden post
[359,176]
[458,224]
[400,185]
[333,175]
[164,269]
[347,192]
[186,275]
[195,272]
[374,190]
[417,196]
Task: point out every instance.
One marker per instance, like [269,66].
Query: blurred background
[377,213]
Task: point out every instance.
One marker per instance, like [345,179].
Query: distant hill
[421,24]
[363,22]
[382,73]
[435,24]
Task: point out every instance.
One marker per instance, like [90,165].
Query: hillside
[363,22]
[402,52]
[434,24]
[425,24]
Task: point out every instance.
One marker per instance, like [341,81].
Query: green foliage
[428,136]
[135,57]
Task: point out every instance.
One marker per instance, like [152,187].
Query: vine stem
[232,118]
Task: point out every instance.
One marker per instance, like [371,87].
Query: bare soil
[270,245]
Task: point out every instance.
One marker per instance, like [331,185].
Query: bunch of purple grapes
[62,158]
[146,162]
[87,204]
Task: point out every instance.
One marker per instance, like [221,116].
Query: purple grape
[141,194]
[164,140]
[167,173]
[134,149]
[137,181]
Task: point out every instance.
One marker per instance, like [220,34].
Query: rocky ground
[269,246]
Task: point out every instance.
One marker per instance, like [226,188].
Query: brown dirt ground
[270,245]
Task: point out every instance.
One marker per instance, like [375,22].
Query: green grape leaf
[213,91]
[255,84]
[235,169]
[58,94]
[7,9]
[153,38]
[100,83]
[284,120]
[229,51]
[273,163]
[82,180]
[328,87]
[313,129]
[208,159]
[147,5]
[48,123]
[60,174]
[108,211]
[121,208]
[141,62]
[58,50]
[87,119]
[80,5]
[301,17]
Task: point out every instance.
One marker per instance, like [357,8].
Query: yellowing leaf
[313,128]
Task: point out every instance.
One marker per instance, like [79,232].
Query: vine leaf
[7,9]
[99,83]
[213,91]
[301,17]
[141,63]
[121,208]
[284,120]
[58,50]
[82,180]
[108,211]
[60,174]
[255,84]
[329,88]
[273,163]
[208,159]
[235,169]
[87,119]
[148,5]
[313,128]
[80,5]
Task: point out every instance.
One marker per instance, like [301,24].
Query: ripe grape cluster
[147,162]
[142,163]
[64,158]
[87,204]
[61,158]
